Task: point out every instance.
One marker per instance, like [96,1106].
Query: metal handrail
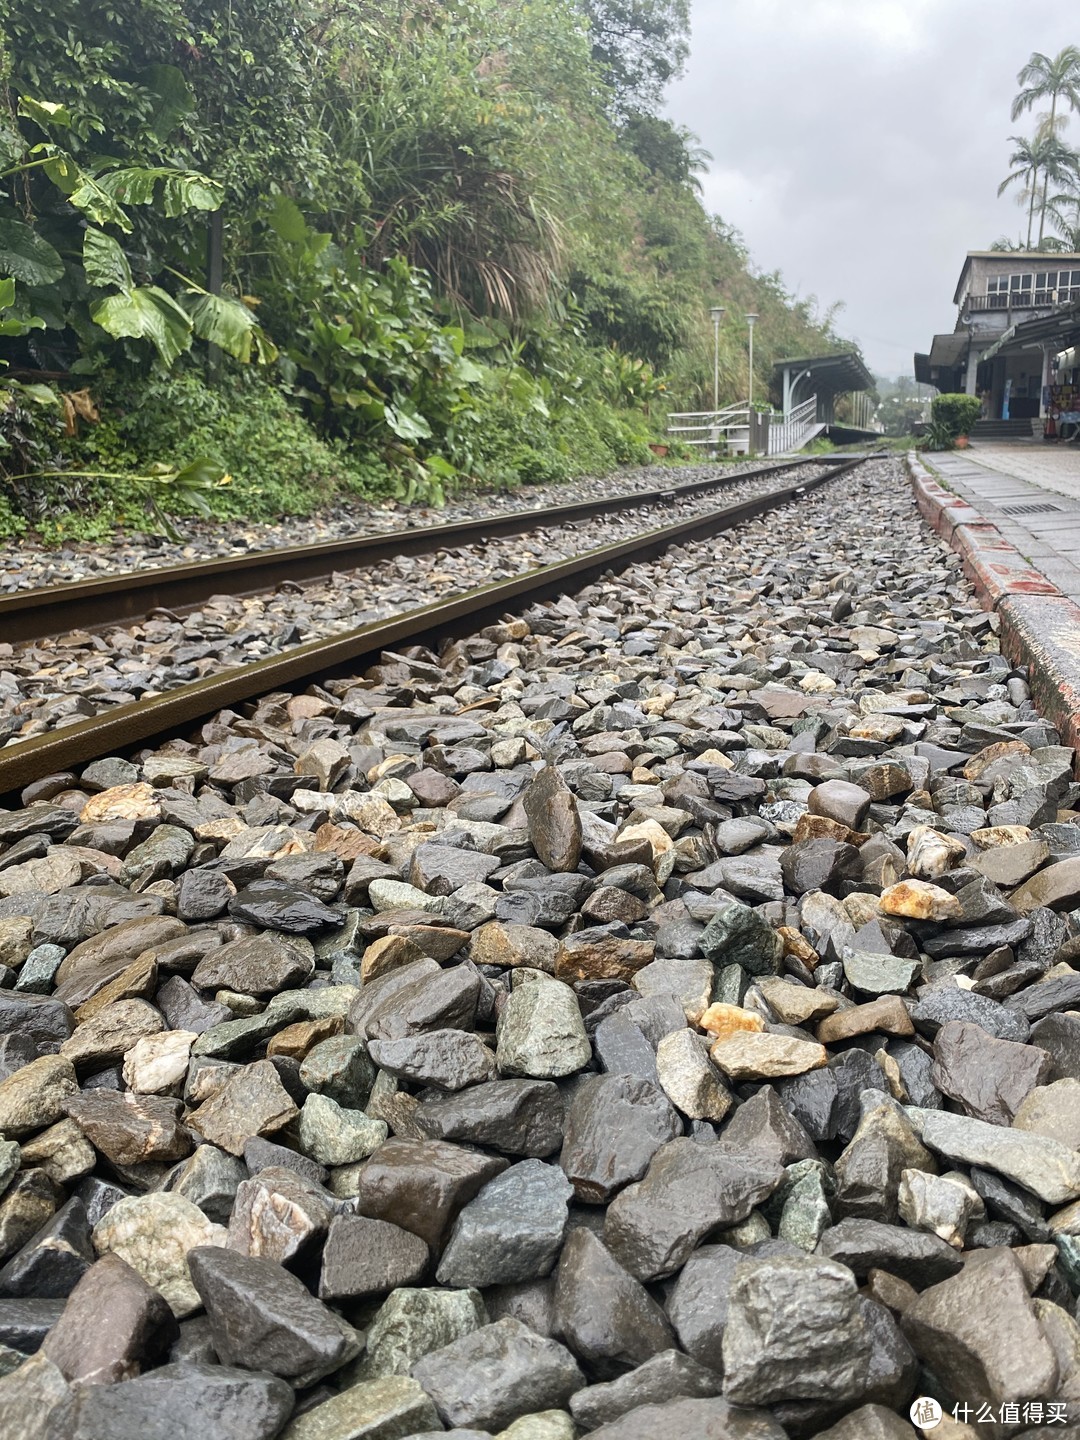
[710,427]
[790,431]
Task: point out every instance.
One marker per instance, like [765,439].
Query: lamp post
[750,318]
[717,313]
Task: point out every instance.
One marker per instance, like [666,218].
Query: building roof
[1047,257]
[836,373]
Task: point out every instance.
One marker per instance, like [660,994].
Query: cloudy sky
[858,145]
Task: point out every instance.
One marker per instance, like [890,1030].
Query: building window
[1044,287]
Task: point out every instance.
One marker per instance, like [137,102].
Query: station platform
[1030,491]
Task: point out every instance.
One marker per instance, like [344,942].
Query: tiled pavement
[1002,481]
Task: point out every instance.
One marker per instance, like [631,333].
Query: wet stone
[449,1059]
[333,1135]
[988,1078]
[364,1258]
[689,1191]
[515,1117]
[608,1319]
[614,1126]
[511,1231]
[736,935]
[278,1214]
[496,1374]
[413,1323]
[979,1331]
[540,1032]
[252,1102]
[266,1318]
[865,1245]
[421,1185]
[246,1405]
[395,1405]
[554,823]
[113,1324]
[795,1331]
[667,1376]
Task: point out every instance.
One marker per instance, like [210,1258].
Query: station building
[1015,337]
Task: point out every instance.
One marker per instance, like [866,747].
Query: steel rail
[90,604]
[114,731]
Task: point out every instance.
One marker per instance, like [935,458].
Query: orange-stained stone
[724,1020]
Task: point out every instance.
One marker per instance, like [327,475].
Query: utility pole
[717,313]
[750,318]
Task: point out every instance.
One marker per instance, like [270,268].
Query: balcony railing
[1021,300]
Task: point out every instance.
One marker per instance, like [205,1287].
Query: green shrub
[955,414]
[278,465]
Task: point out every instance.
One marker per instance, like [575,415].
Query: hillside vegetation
[457,244]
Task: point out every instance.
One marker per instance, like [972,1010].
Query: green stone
[737,935]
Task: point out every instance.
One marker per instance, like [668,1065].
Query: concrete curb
[1040,627]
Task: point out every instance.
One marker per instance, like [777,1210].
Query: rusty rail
[128,726]
[91,604]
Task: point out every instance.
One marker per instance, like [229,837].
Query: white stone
[156,1063]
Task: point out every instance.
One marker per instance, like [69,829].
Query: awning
[948,351]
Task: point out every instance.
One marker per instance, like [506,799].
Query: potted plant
[952,417]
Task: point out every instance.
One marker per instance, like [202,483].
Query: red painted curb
[1040,627]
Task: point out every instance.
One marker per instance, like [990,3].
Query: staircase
[1001,430]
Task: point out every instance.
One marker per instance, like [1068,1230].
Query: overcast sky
[858,145]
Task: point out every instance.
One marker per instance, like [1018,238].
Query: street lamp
[717,313]
[750,318]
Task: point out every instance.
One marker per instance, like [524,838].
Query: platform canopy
[825,376]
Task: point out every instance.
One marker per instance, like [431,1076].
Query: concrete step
[1001,430]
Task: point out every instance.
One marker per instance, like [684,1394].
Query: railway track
[91,604]
[112,732]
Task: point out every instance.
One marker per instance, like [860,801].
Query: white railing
[862,412]
[790,432]
[727,429]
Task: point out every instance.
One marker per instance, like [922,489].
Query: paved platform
[1019,544]
[1030,490]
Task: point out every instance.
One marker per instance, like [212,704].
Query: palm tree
[1053,79]
[1064,212]
[1027,161]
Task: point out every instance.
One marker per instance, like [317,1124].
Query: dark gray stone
[183,1402]
[614,1126]
[915,1256]
[449,1059]
[937,1007]
[979,1333]
[516,1117]
[264,1317]
[499,1372]
[667,1376]
[690,1191]
[988,1078]
[364,1257]
[795,1331]
[512,1231]
[607,1318]
[697,1304]
[702,1419]
[113,1324]
[51,1264]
